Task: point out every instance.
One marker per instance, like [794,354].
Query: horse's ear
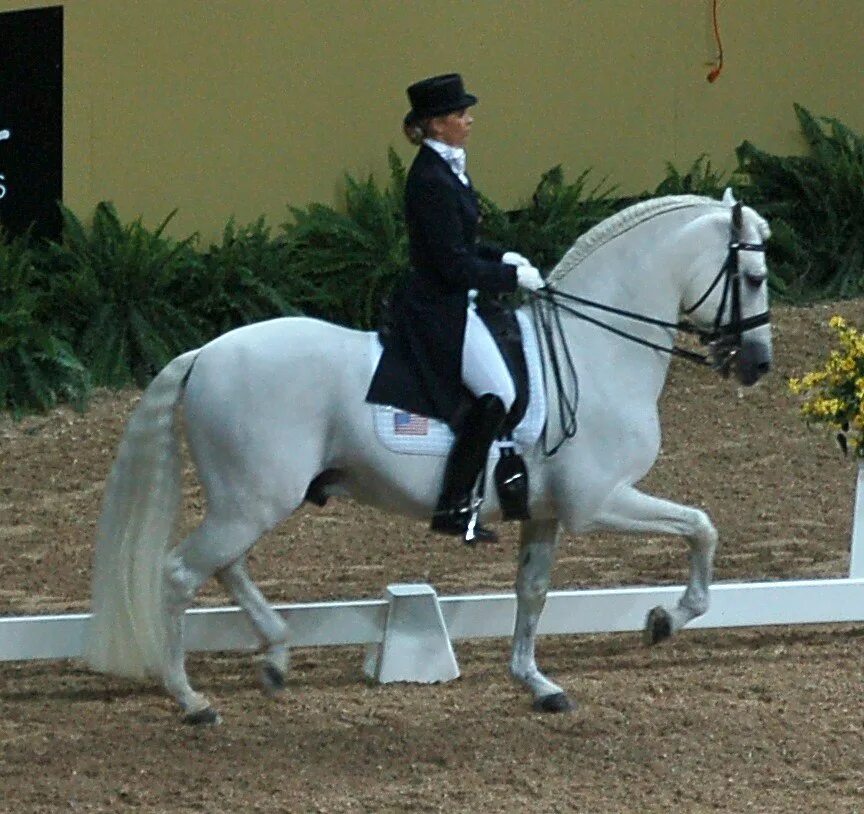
[737,218]
[729,197]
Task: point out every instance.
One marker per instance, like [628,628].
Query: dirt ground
[765,720]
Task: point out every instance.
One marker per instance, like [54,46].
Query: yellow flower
[813,378]
[834,393]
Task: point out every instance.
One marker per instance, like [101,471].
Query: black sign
[31,120]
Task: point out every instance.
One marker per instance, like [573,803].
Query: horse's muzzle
[752,361]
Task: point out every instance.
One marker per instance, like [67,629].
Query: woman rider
[434,330]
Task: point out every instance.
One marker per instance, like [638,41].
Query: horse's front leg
[537,547]
[633,511]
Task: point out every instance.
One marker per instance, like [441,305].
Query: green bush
[119,288]
[243,279]
[120,301]
[700,179]
[815,204]
[38,369]
[342,264]
[548,226]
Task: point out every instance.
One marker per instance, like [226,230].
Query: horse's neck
[640,271]
[633,272]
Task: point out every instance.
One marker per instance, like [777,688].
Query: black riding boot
[467,457]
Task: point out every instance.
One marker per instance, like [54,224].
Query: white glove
[528,277]
[515,259]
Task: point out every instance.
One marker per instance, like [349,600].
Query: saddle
[415,433]
[505,329]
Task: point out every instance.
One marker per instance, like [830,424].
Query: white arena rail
[409,630]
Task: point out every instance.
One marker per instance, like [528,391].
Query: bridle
[723,340]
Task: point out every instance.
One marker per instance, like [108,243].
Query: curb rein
[723,341]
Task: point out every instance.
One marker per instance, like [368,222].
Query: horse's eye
[755,279]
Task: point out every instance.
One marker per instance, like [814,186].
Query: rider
[434,326]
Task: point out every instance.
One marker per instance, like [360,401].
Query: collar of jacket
[454,156]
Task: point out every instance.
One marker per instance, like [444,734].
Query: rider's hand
[528,277]
[515,259]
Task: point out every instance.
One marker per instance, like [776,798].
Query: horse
[274,414]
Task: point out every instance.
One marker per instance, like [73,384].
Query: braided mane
[623,221]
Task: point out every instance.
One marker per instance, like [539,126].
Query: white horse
[275,413]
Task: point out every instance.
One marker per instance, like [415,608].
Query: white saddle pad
[401,431]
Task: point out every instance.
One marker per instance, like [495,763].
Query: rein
[566,406]
[554,298]
[724,341]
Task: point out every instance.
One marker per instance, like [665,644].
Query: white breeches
[483,368]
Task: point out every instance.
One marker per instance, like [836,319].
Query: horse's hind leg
[268,624]
[213,546]
[633,511]
[537,547]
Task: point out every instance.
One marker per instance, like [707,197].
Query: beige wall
[222,107]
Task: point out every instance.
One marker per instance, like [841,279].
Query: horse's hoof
[272,679]
[203,717]
[557,702]
[658,626]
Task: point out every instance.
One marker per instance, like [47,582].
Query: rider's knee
[506,391]
[508,394]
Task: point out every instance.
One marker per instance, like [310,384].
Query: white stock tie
[454,156]
[456,159]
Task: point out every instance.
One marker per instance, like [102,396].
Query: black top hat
[437,96]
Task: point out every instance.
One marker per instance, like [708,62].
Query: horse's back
[283,341]
[289,349]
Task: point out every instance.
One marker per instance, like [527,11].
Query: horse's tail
[128,628]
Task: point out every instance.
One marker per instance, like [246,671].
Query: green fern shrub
[241,280]
[815,204]
[38,369]
[119,287]
[700,179]
[548,226]
[341,264]
[118,301]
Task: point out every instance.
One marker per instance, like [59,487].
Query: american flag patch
[410,424]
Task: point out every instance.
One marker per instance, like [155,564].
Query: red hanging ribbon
[715,71]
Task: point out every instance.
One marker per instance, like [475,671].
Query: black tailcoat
[428,311]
